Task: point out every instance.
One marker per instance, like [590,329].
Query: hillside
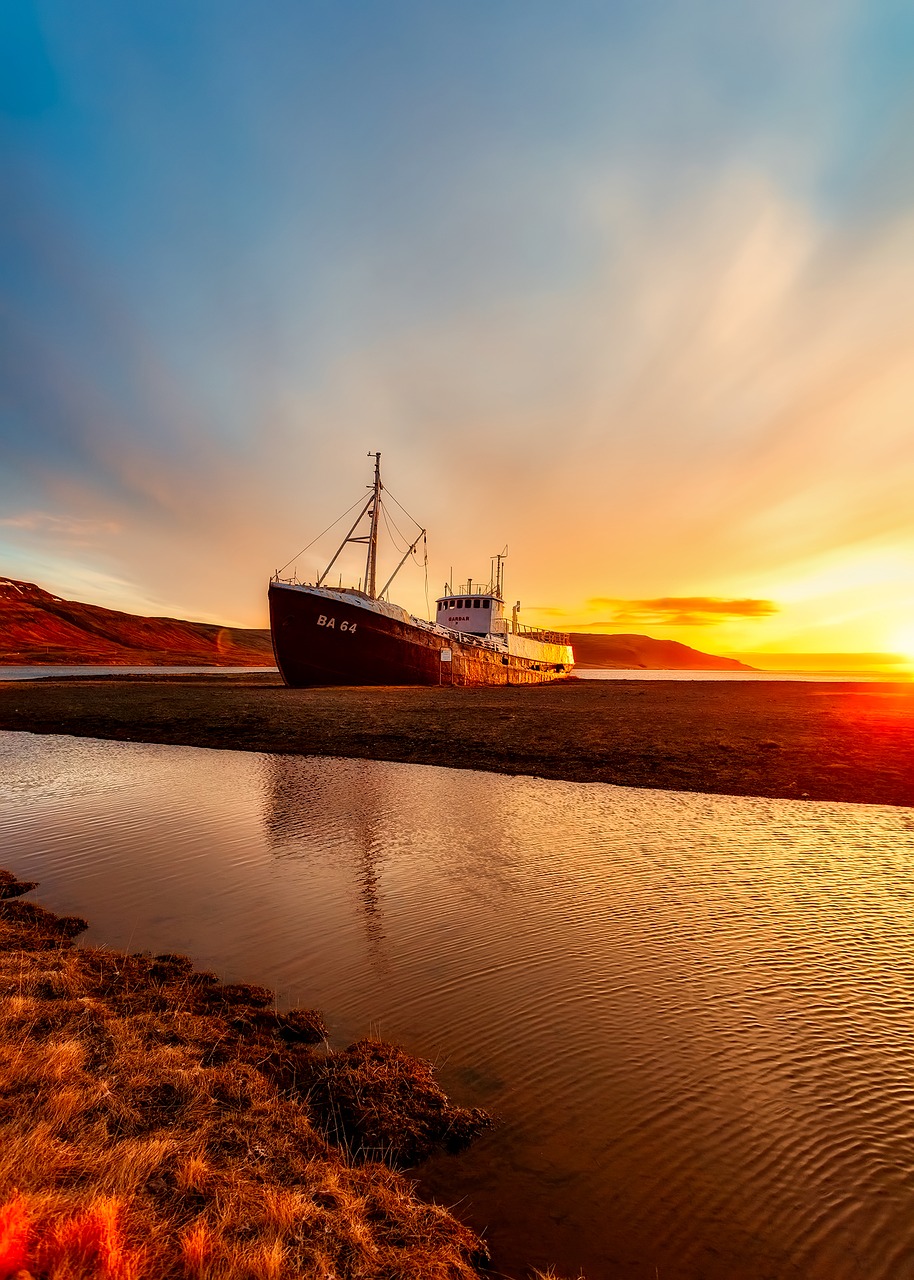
[642,651]
[37,628]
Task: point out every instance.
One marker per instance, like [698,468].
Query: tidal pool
[694,1014]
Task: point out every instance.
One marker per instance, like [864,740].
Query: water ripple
[692,1012]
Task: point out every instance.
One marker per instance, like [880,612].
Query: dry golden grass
[156,1125]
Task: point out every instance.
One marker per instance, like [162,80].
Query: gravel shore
[849,742]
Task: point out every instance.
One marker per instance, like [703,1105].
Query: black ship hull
[322,638]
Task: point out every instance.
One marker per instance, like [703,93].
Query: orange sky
[631,296]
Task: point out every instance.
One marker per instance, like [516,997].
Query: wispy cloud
[679,611]
[657,339]
[62,527]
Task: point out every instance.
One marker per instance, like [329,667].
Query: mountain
[642,651]
[38,628]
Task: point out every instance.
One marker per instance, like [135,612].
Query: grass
[159,1125]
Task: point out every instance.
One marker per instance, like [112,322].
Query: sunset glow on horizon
[627,287]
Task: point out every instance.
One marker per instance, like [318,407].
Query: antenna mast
[499,571]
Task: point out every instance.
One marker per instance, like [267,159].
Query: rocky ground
[830,741]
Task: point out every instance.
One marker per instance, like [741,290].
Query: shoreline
[850,742]
[849,736]
[184,1126]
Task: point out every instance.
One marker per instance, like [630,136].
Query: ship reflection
[312,812]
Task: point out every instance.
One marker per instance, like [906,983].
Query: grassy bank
[158,1124]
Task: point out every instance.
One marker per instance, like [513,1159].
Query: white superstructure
[472,612]
[479,611]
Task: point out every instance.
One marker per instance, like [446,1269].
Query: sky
[626,287]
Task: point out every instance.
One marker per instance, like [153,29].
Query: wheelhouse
[473,611]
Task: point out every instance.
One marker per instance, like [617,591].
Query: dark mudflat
[851,742]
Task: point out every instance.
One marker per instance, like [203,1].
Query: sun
[902,641]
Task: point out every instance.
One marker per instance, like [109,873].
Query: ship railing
[507,627]
[465,637]
[323,586]
[472,589]
[450,631]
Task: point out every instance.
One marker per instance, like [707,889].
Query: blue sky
[624,285]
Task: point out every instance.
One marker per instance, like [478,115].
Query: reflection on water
[299,802]
[891,675]
[693,1012]
[94,672]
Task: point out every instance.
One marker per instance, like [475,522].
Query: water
[606,673]
[693,1013]
[51,672]
[813,677]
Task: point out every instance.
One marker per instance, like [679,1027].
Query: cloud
[645,346]
[680,611]
[63,527]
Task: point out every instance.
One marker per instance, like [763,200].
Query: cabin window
[487,604]
[477,604]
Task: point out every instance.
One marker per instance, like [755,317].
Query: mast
[374,509]
[371,507]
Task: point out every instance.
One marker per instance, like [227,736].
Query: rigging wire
[428,607]
[390,532]
[403,509]
[389,520]
[410,548]
[327,530]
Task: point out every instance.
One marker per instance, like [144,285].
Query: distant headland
[631,651]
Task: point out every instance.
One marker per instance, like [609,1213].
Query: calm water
[810,677]
[49,673]
[634,673]
[693,1013]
